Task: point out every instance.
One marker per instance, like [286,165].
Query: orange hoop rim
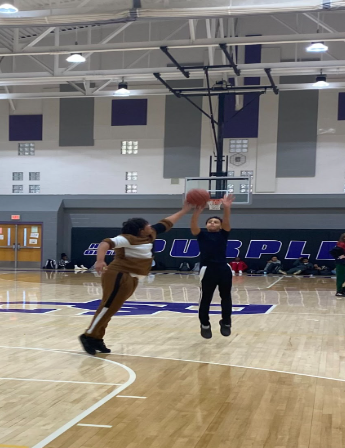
[214,201]
[214,204]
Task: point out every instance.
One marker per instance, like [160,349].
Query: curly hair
[133,226]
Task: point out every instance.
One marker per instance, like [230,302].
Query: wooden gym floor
[277,382]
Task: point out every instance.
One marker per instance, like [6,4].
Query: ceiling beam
[102,86]
[320,22]
[39,38]
[191,29]
[211,33]
[142,75]
[42,64]
[164,40]
[179,44]
[295,31]
[104,41]
[142,92]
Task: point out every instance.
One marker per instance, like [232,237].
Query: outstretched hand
[228,200]
[187,206]
[199,209]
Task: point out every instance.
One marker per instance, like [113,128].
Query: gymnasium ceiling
[121,40]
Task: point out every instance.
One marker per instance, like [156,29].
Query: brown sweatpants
[117,288]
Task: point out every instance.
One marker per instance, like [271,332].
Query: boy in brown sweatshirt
[133,259]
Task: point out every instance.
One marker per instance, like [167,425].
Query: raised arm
[194,226]
[227,202]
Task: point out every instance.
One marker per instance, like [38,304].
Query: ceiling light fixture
[321,81]
[7,8]
[76,58]
[317,47]
[122,89]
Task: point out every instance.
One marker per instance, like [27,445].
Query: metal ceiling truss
[100,12]
[175,44]
[12,41]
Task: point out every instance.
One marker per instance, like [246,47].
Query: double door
[20,246]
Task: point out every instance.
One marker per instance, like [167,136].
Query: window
[231,173]
[26,149]
[17,189]
[34,176]
[132,188]
[129,147]
[247,173]
[245,188]
[238,145]
[230,188]
[131,175]
[34,189]
[17,176]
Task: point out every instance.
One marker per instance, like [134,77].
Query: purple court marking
[133,308]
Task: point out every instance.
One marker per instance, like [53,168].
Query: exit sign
[15,217]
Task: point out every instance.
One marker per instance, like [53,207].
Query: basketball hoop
[214,204]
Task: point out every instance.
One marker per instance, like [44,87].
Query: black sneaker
[88,344]
[206,331]
[100,346]
[225,329]
[340,294]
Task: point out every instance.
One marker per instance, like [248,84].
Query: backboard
[241,187]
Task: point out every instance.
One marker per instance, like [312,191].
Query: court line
[280,278]
[94,426]
[130,396]
[180,359]
[232,365]
[94,407]
[60,381]
[268,311]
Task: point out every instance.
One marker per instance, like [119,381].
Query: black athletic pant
[220,275]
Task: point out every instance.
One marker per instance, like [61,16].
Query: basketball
[198,197]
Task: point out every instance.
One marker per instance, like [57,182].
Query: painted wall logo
[128,309]
[187,248]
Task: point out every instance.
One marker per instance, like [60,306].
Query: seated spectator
[65,263]
[238,266]
[274,266]
[302,266]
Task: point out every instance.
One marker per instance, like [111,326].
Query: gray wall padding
[182,134]
[297,131]
[76,120]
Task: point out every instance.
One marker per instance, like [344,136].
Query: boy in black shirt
[215,270]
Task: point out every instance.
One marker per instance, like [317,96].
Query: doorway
[20,246]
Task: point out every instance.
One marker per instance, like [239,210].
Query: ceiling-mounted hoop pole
[228,56]
[173,60]
[273,84]
[211,111]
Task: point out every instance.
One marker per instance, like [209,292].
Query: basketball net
[214,204]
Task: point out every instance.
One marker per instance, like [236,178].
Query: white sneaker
[77,268]
[240,272]
[84,268]
[233,273]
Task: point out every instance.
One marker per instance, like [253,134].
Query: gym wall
[60,215]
